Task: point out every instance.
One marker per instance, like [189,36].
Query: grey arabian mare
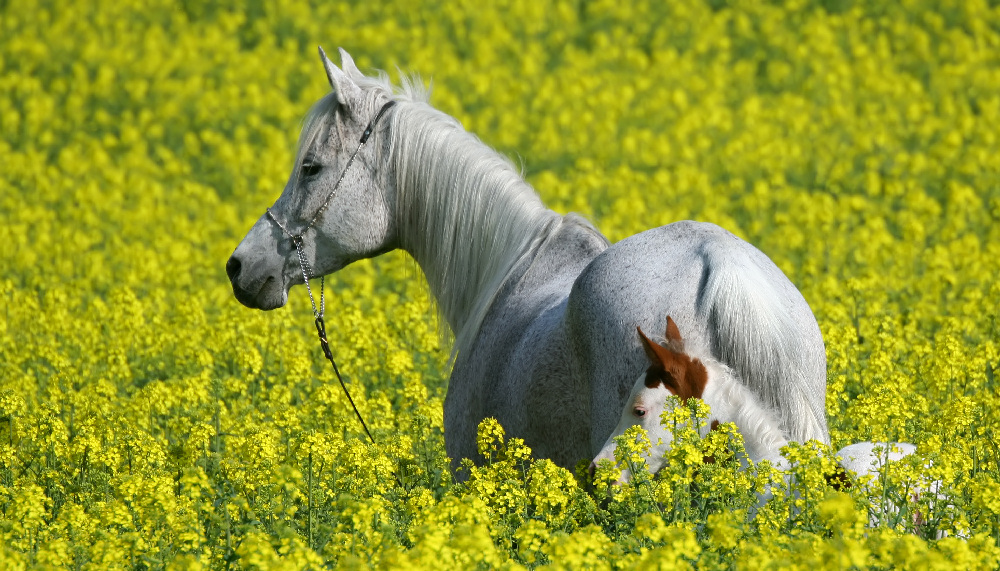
[544,310]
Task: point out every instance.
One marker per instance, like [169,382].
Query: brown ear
[678,372]
[674,335]
[647,346]
[662,366]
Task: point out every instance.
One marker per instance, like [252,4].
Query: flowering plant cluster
[147,420]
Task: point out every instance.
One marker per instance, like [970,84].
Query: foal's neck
[463,212]
[731,401]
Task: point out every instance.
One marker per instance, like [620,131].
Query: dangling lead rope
[321,328]
[306,270]
[321,331]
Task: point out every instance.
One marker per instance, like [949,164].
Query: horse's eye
[310,169]
[639,412]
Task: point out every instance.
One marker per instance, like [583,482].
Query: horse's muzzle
[244,296]
[233,268]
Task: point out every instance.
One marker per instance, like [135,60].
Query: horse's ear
[348,65]
[342,85]
[664,367]
[647,346]
[674,335]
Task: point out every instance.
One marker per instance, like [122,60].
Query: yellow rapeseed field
[147,420]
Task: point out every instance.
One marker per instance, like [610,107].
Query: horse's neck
[730,401]
[463,212]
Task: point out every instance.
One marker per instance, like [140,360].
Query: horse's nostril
[233,267]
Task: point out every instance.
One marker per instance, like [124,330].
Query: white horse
[542,307]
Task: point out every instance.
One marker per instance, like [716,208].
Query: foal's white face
[356,222]
[645,407]
[671,373]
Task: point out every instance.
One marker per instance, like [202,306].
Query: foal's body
[679,368]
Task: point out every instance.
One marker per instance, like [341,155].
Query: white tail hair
[756,336]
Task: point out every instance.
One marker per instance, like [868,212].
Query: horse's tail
[767,335]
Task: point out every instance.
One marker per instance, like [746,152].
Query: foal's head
[671,372]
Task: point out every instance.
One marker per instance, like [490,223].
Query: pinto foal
[674,371]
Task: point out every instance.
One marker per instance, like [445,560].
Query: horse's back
[675,270]
[644,278]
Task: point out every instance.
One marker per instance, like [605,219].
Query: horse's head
[671,372]
[336,203]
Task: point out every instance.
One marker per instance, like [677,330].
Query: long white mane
[463,211]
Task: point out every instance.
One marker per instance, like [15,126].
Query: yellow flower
[146,418]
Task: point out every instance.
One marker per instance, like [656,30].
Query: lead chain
[304,264]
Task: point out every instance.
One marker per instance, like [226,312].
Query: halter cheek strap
[369,129]
[371,126]
[297,238]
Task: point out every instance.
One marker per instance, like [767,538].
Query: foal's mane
[462,209]
[751,415]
